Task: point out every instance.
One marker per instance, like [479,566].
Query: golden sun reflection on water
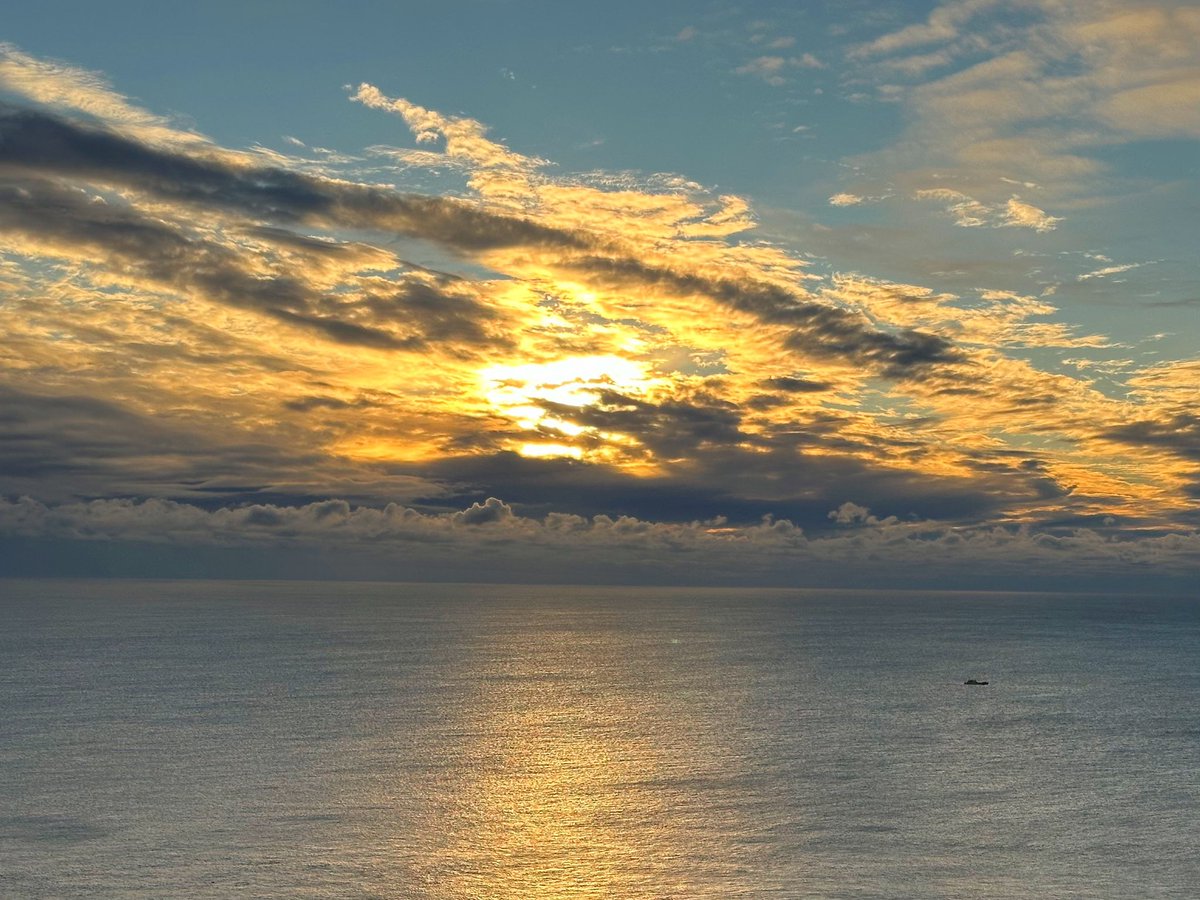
[573,779]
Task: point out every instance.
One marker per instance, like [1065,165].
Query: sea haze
[217,739]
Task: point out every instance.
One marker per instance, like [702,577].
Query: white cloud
[56,84]
[849,513]
[1108,270]
[845,200]
[464,138]
[768,68]
[971,213]
[1032,97]
[772,68]
[1024,215]
[944,24]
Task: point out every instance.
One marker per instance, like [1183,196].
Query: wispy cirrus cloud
[971,213]
[67,87]
[1036,91]
[774,69]
[1106,271]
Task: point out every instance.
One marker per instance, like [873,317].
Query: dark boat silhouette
[973,681]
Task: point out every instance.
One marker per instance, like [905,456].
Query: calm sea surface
[191,739]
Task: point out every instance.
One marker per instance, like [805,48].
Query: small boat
[973,681]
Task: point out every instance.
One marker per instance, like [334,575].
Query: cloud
[563,545]
[793,384]
[1036,93]
[148,251]
[1108,270]
[971,213]
[772,69]
[465,141]
[491,510]
[846,200]
[37,142]
[810,327]
[944,24]
[1179,434]
[1023,215]
[768,68]
[993,319]
[1147,64]
[1167,108]
[78,445]
[63,86]
[849,513]
[64,446]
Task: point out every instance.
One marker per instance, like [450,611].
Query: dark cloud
[540,486]
[445,318]
[306,244]
[308,404]
[813,328]
[36,141]
[787,385]
[90,447]
[719,480]
[1026,475]
[345,332]
[1179,434]
[793,385]
[669,429]
[764,402]
[62,446]
[265,516]
[54,445]
[489,541]
[410,315]
[491,510]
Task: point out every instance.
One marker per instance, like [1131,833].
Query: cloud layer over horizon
[454,353]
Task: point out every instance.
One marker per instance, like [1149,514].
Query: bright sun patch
[544,451]
[521,392]
[574,381]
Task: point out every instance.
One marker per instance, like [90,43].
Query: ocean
[328,740]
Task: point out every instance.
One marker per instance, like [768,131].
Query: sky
[815,294]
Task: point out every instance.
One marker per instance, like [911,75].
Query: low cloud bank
[489,537]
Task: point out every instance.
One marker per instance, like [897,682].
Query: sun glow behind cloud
[574,381]
[527,392]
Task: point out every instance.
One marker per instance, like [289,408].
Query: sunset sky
[831,294]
